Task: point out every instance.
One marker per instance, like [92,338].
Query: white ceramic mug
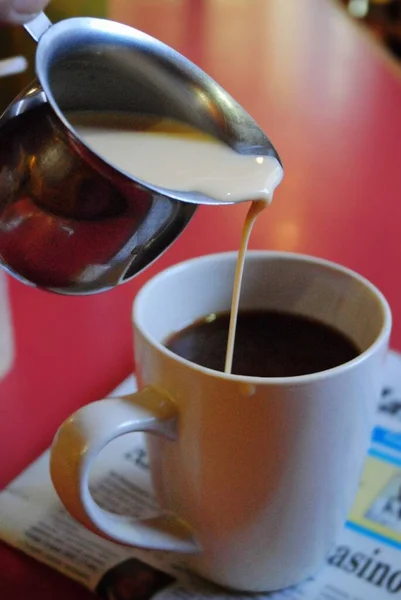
[256,475]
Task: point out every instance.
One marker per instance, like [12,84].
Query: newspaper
[364,565]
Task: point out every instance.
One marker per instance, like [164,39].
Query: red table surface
[330,100]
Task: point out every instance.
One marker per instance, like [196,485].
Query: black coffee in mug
[267,344]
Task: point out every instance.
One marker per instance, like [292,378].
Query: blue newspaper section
[374,522]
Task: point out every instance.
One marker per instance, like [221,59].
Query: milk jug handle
[38,26]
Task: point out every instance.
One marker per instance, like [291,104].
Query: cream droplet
[247,389]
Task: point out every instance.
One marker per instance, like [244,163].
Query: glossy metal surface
[329,98]
[64,226]
[38,26]
[70,222]
[97,64]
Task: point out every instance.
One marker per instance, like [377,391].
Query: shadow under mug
[254,475]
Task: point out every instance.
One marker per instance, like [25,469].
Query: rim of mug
[264,254]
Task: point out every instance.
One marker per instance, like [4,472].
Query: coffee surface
[267,344]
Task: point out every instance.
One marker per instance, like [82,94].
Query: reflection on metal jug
[69,221]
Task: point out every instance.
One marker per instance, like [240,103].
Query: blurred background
[381,17]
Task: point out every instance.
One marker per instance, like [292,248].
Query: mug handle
[78,442]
